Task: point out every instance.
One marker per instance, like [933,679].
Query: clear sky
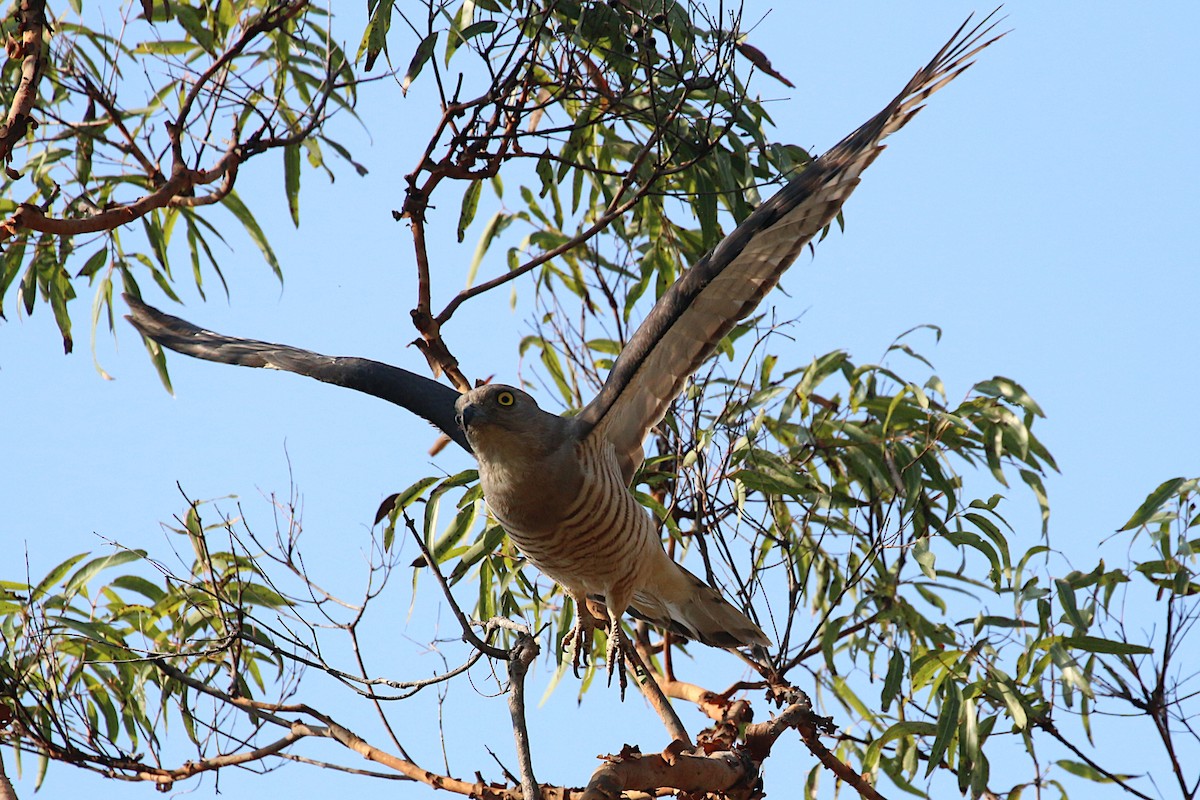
[1043,211]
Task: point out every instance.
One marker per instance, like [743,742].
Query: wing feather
[689,320]
[420,395]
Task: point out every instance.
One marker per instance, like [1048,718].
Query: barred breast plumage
[586,530]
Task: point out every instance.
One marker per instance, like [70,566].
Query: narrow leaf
[1153,503]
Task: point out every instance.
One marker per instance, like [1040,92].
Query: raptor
[560,486]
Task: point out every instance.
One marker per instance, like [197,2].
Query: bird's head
[501,420]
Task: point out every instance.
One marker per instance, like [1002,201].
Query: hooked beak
[465,416]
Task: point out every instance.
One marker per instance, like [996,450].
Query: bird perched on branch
[560,485]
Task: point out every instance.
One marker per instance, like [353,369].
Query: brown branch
[600,224]
[519,658]
[648,682]
[1052,729]
[176,191]
[416,202]
[165,778]
[332,730]
[1159,707]
[615,209]
[717,707]
[31,26]
[760,737]
[230,171]
[816,649]
[7,792]
[269,21]
[725,773]
[837,766]
[100,98]
[171,193]
[477,789]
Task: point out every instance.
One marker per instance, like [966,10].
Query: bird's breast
[588,538]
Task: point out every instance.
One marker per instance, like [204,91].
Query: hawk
[560,486]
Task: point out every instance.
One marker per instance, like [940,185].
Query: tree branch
[650,686]
[270,20]
[171,193]
[724,773]
[519,658]
[1052,729]
[468,633]
[7,791]
[615,209]
[176,191]
[31,26]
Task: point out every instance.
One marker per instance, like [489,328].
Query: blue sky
[1042,210]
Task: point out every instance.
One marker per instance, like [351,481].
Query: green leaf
[947,725]
[479,28]
[1153,503]
[1081,770]
[136,583]
[190,20]
[1034,482]
[499,221]
[925,557]
[901,730]
[969,756]
[374,39]
[55,575]
[408,496]
[895,675]
[96,565]
[1012,701]
[1094,644]
[422,54]
[1011,391]
[485,545]
[470,203]
[454,533]
[1072,675]
[291,180]
[235,205]
[167,48]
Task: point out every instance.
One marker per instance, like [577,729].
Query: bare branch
[648,682]
[519,658]
[468,634]
[7,791]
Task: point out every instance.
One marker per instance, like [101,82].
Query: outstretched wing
[687,323]
[420,395]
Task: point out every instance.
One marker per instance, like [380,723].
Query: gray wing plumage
[687,323]
[420,395]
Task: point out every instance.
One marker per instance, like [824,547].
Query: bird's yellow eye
[505,398]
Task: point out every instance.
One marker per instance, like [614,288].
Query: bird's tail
[689,607]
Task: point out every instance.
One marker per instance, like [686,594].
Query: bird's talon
[578,644]
[614,656]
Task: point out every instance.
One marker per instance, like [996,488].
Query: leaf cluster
[141,125]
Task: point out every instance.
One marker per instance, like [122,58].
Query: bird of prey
[560,485]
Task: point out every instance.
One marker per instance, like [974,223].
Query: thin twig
[468,634]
